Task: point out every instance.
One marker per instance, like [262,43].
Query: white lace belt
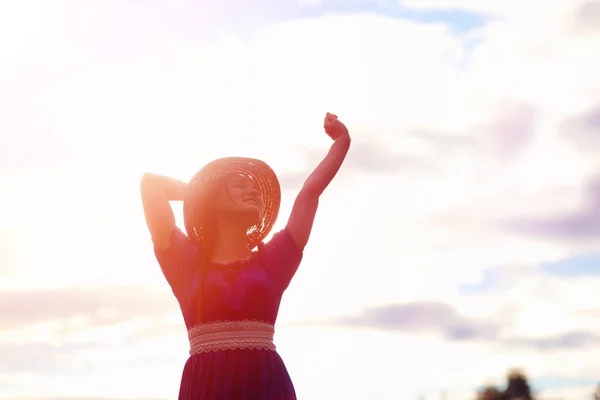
[231,335]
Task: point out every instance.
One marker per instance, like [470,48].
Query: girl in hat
[228,282]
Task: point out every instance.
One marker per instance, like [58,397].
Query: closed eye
[238,184]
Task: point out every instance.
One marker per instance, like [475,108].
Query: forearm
[173,189]
[320,178]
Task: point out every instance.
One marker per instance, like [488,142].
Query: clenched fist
[334,127]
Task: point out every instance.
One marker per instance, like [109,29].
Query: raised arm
[306,204]
[156,193]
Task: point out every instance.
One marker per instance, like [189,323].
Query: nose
[254,191]
[255,194]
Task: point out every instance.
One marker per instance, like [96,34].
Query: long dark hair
[209,232]
[209,218]
[203,216]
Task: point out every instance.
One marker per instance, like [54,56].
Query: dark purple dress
[249,290]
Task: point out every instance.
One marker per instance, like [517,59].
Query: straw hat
[201,184]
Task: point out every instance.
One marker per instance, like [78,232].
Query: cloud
[442,319]
[507,131]
[583,130]
[80,398]
[577,225]
[443,141]
[46,359]
[68,333]
[432,316]
[9,245]
[20,145]
[364,158]
[510,129]
[377,158]
[98,306]
[587,16]
[565,341]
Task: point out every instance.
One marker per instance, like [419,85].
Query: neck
[231,242]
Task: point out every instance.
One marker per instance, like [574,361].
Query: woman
[229,294]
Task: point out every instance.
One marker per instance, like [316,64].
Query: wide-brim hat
[199,188]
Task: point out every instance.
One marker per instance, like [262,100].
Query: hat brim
[258,171]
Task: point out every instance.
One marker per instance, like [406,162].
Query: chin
[251,214]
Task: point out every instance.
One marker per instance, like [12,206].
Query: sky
[460,239]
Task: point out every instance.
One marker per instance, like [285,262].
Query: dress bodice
[246,290]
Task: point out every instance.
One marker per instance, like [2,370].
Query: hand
[334,127]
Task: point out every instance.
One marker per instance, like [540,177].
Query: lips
[253,201]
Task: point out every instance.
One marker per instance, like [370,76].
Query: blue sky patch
[579,266]
[557,383]
[584,265]
[490,278]
[250,16]
[457,20]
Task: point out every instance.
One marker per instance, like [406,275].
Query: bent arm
[156,192]
[306,204]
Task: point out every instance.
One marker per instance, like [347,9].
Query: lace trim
[231,335]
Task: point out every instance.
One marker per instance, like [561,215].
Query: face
[239,196]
